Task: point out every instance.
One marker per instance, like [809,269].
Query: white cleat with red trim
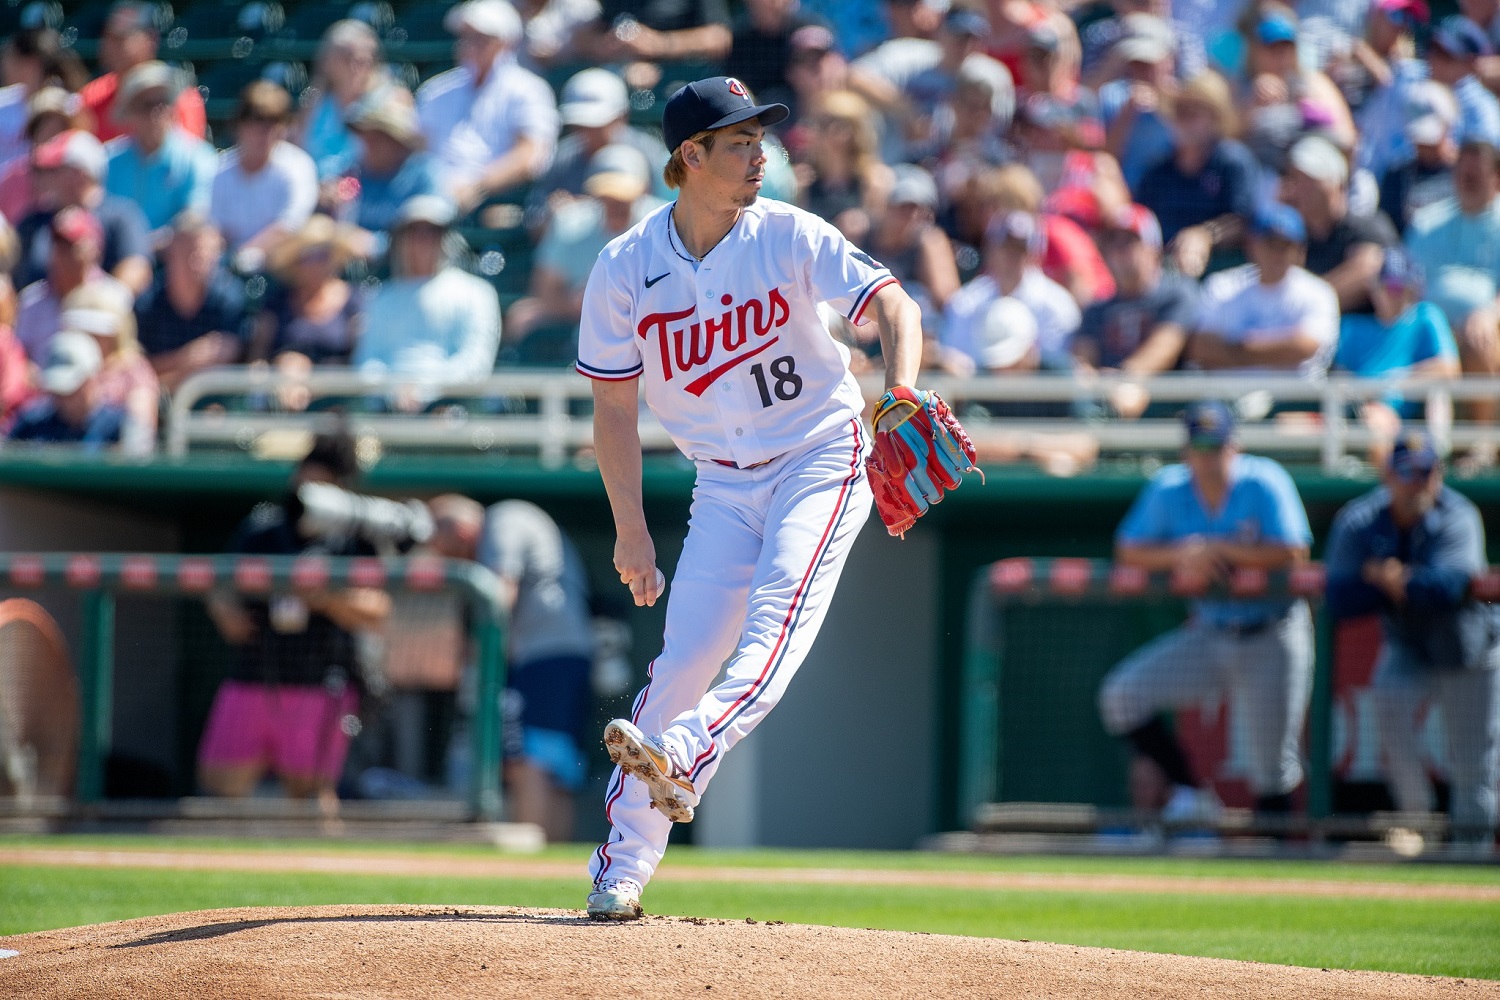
[646,758]
[616,899]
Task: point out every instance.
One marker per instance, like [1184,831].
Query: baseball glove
[917,458]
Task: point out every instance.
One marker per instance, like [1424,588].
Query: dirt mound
[420,952]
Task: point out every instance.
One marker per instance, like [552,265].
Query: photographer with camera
[289,704]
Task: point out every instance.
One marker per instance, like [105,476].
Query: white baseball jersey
[737,365]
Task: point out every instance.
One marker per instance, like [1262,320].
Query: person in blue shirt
[1408,551]
[1216,512]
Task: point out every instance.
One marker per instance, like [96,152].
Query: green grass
[1406,935]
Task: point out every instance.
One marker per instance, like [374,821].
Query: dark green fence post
[484,797]
[1320,722]
[96,662]
[979,737]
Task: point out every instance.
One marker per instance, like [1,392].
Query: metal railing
[100,577]
[548,412]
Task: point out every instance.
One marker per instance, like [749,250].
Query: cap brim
[618,186]
[1427,131]
[769,114]
[63,381]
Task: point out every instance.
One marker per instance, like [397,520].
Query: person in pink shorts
[292,685]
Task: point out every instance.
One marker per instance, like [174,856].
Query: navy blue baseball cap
[718,102]
[1414,456]
[1209,423]
[1279,221]
[1462,38]
[1399,270]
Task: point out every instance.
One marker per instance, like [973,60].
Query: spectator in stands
[911,47]
[393,167]
[491,124]
[1344,248]
[1385,62]
[1426,178]
[908,240]
[760,45]
[130,40]
[51,112]
[294,677]
[1014,245]
[32,59]
[69,170]
[1205,191]
[1453,56]
[1270,314]
[432,322]
[1409,551]
[314,317]
[347,74]
[1405,336]
[1217,512]
[544,588]
[158,165]
[842,178]
[1071,257]
[71,407]
[1099,40]
[595,109]
[1144,328]
[666,31]
[815,69]
[15,367]
[1284,97]
[967,133]
[194,316]
[77,245]
[616,198]
[266,188]
[1455,242]
[126,378]
[1134,105]
[551,28]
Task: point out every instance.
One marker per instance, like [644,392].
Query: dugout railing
[548,413]
[98,580]
[1041,633]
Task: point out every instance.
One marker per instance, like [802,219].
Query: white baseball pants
[764,550]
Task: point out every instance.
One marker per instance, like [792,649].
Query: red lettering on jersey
[685,348]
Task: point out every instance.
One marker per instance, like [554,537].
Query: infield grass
[1432,936]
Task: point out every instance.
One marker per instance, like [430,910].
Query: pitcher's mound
[447,953]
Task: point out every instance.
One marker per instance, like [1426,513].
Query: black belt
[1245,630]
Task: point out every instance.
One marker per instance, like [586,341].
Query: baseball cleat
[1192,807]
[646,758]
[615,899]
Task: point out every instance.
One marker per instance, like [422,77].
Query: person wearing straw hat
[314,317]
[616,197]
[393,167]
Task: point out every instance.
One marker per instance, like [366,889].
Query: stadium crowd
[1128,186]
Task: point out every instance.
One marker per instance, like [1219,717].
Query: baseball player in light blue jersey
[1216,512]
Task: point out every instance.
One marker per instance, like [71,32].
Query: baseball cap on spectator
[1406,14]
[1461,38]
[959,21]
[1414,455]
[1043,37]
[1276,26]
[714,103]
[50,101]
[381,113]
[592,98]
[1140,222]
[148,76]
[74,148]
[432,209]
[491,18]
[1319,159]
[1274,220]
[1017,227]
[77,225]
[1432,111]
[1006,334]
[618,171]
[1146,38]
[1209,424]
[1399,271]
[914,186]
[71,359]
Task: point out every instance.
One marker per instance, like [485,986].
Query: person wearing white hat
[71,410]
[595,111]
[432,322]
[616,195]
[491,124]
[1343,248]
[1425,178]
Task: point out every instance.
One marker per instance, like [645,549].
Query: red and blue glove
[917,457]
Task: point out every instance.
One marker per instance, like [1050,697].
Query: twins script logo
[689,347]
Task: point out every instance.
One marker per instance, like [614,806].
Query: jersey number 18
[788,384]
